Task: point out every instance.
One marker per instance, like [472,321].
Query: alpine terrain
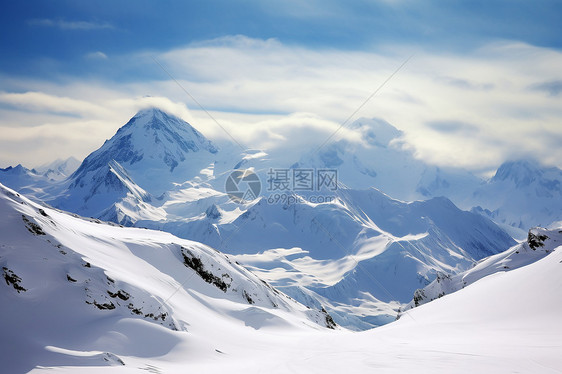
[358,252]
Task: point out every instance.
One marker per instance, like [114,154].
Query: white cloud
[40,101]
[488,88]
[286,135]
[98,55]
[472,110]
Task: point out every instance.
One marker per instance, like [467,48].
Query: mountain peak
[18,169]
[159,139]
[376,131]
[156,119]
[521,172]
[149,110]
[154,113]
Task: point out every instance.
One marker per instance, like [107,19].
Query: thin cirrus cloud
[98,55]
[70,25]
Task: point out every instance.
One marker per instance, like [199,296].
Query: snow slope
[540,243]
[71,284]
[504,323]
[357,253]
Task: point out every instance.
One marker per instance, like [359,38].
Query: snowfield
[75,284]
[540,243]
[85,296]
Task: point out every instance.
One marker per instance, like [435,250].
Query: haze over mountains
[361,253]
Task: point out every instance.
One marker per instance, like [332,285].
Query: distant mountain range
[361,253]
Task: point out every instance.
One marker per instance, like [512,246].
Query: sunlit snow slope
[80,296]
[110,292]
[540,243]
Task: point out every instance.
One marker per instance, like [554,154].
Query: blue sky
[63,32]
[82,66]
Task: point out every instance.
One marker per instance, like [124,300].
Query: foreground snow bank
[105,291]
[503,323]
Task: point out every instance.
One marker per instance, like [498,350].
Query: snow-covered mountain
[163,154]
[381,161]
[364,247]
[521,194]
[109,193]
[360,253]
[540,243]
[142,160]
[360,248]
[19,176]
[59,169]
[35,181]
[27,181]
[155,148]
[63,274]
